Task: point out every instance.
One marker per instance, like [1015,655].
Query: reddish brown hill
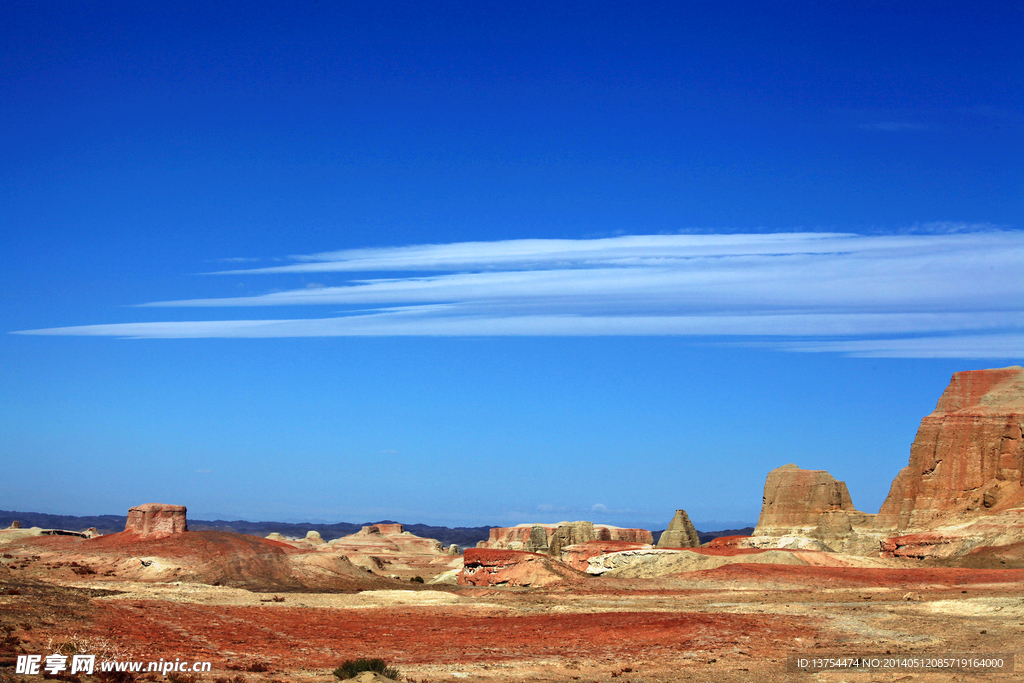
[219,557]
[492,567]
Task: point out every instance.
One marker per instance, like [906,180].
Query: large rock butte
[155,519]
[963,489]
[968,458]
[391,550]
[814,506]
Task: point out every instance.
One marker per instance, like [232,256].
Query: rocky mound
[651,563]
[391,550]
[220,558]
[680,533]
[386,538]
[578,556]
[494,567]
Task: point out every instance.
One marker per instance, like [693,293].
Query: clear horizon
[472,265]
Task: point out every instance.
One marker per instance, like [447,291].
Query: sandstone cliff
[968,458]
[813,506]
[962,491]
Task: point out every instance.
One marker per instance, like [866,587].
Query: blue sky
[471,264]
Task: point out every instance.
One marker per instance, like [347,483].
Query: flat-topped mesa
[967,460]
[795,499]
[680,533]
[155,519]
[551,538]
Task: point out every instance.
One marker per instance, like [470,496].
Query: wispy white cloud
[799,285]
[892,126]
[978,346]
[237,259]
[625,251]
[448,321]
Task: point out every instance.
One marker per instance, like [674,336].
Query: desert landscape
[937,573]
[574,342]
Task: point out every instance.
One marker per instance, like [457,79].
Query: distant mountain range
[464,537]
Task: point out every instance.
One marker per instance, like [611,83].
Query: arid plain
[939,571]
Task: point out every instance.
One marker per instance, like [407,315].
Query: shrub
[175,677]
[351,667]
[417,579]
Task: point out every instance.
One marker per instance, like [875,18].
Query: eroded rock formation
[387,539]
[962,491]
[494,567]
[394,552]
[156,519]
[382,529]
[794,500]
[968,458]
[579,556]
[811,509]
[550,539]
[680,533]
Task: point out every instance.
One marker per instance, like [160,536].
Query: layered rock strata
[394,552]
[962,491]
[811,509]
[499,567]
[155,519]
[968,458]
[383,529]
[386,538]
[550,539]
[680,533]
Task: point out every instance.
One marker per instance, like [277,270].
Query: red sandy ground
[838,577]
[291,638]
[566,632]
[320,638]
